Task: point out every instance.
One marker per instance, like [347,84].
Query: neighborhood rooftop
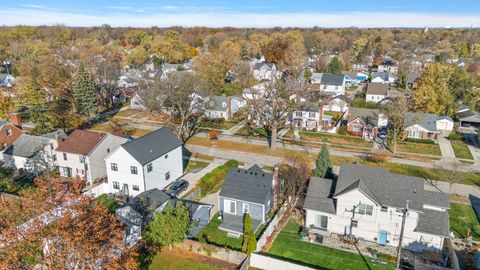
[81,142]
[377,89]
[332,79]
[319,195]
[27,145]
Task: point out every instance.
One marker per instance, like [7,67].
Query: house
[412,79]
[389,66]
[311,117]
[247,191]
[376,92]
[166,69]
[468,118]
[6,80]
[335,104]
[316,78]
[425,126]
[255,92]
[154,200]
[264,71]
[353,78]
[31,153]
[9,133]
[332,84]
[151,161]
[218,107]
[368,203]
[130,78]
[81,155]
[365,122]
[359,67]
[137,103]
[383,77]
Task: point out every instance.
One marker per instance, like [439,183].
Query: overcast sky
[243,13]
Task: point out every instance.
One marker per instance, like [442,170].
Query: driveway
[471,140]
[448,155]
[193,178]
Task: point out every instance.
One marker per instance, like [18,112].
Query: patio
[234,223]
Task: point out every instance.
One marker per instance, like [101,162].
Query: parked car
[177,187]
[382,134]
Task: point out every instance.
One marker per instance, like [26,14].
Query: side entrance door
[382,239]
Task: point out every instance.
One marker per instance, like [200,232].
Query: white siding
[173,164]
[123,175]
[96,159]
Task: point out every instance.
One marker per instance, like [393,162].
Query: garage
[444,123]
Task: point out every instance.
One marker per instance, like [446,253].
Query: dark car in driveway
[177,187]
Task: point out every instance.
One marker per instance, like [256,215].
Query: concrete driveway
[193,178]
[448,155]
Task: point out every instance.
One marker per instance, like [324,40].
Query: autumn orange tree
[60,231]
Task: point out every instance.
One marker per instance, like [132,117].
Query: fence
[454,264]
[267,263]
[270,228]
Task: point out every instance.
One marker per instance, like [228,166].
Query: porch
[234,223]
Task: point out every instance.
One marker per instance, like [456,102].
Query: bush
[342,130]
[454,136]
[378,156]
[425,141]
[212,181]
[213,134]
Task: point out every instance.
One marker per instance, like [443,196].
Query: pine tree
[84,93]
[252,243]
[247,228]
[323,164]
[34,96]
[244,55]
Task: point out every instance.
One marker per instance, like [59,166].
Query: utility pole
[399,248]
[351,220]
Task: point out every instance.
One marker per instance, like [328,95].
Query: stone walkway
[234,129]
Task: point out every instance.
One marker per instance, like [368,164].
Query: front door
[125,189]
[382,239]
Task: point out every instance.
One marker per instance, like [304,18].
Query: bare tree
[295,173]
[272,107]
[180,97]
[450,173]
[395,111]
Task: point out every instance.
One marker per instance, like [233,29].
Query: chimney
[320,117]
[58,138]
[16,120]
[229,107]
[275,187]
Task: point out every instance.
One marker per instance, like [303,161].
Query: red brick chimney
[16,120]
[276,183]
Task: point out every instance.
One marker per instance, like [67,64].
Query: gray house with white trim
[246,191]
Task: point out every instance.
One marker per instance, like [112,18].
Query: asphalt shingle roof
[332,79]
[433,222]
[368,116]
[436,198]
[81,142]
[152,146]
[377,89]
[319,195]
[252,185]
[27,146]
[425,120]
[260,65]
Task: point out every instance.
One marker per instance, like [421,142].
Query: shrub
[454,136]
[342,130]
[378,156]
[213,134]
[425,141]
[211,182]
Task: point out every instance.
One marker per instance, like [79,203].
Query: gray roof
[52,135]
[383,75]
[319,195]
[377,89]
[217,103]
[316,76]
[311,107]
[436,198]
[469,116]
[27,146]
[381,186]
[150,199]
[388,62]
[152,146]
[433,222]
[332,79]
[260,65]
[252,185]
[368,116]
[425,120]
[3,76]
[2,123]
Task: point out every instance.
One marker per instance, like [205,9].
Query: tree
[247,228]
[450,173]
[169,226]
[272,107]
[7,106]
[323,164]
[335,66]
[252,243]
[244,55]
[295,172]
[86,101]
[178,97]
[395,111]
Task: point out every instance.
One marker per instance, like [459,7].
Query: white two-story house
[369,203]
[218,107]
[311,117]
[81,155]
[333,84]
[152,161]
[264,71]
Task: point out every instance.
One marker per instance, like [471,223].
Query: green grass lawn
[462,218]
[461,150]
[110,203]
[218,124]
[419,148]
[168,260]
[213,235]
[335,139]
[287,246]
[194,165]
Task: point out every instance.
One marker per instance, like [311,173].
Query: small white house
[376,92]
[81,155]
[335,104]
[6,80]
[218,107]
[333,84]
[264,71]
[388,66]
[444,123]
[152,161]
[137,103]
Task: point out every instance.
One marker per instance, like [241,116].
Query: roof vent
[263,174]
[256,173]
[151,151]
[238,170]
[251,173]
[415,191]
[246,172]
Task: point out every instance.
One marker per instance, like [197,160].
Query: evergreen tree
[244,55]
[335,66]
[323,164]
[252,243]
[247,228]
[84,93]
[34,96]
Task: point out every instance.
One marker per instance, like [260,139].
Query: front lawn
[461,150]
[419,148]
[213,235]
[463,220]
[218,124]
[180,259]
[335,139]
[127,113]
[288,246]
[194,165]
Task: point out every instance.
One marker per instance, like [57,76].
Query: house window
[365,209]
[116,185]
[321,221]
[230,207]
[54,157]
[246,208]
[135,187]
[9,132]
[64,156]
[65,171]
[108,150]
[311,114]
[414,134]
[133,170]
[81,159]
[357,128]
[354,223]
[167,176]
[149,167]
[384,209]
[298,114]
[114,166]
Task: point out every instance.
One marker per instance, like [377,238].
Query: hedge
[213,181]
[425,141]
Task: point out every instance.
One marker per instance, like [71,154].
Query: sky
[243,13]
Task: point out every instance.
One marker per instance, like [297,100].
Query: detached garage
[444,123]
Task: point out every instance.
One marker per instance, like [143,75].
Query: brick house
[365,122]
[9,132]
